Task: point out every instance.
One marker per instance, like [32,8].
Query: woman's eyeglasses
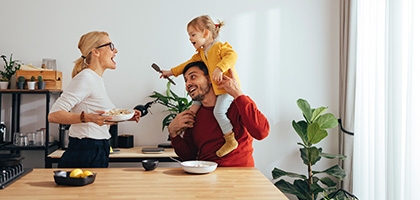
[111,46]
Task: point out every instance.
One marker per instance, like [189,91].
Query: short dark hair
[199,64]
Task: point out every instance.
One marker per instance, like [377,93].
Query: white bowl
[119,114]
[198,166]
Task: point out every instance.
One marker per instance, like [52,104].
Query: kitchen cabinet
[17,95]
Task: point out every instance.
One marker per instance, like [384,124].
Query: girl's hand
[166,73]
[217,75]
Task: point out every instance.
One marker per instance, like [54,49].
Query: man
[202,136]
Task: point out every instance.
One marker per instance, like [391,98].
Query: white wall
[288,49]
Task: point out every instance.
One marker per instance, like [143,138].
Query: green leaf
[167,120]
[310,156]
[315,134]
[317,112]
[277,173]
[305,108]
[332,156]
[316,189]
[168,89]
[328,181]
[335,171]
[327,121]
[300,128]
[298,188]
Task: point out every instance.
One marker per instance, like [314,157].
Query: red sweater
[203,140]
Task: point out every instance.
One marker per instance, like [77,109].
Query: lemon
[111,150]
[76,173]
[86,173]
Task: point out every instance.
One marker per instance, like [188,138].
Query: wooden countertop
[136,183]
[134,152]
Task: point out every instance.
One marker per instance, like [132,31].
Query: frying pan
[8,160]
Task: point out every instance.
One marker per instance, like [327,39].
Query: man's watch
[82,117]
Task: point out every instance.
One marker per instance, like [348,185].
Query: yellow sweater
[220,55]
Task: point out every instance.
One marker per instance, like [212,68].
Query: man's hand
[182,121]
[230,85]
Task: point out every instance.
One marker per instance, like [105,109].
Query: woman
[84,101]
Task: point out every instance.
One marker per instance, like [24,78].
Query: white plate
[119,114]
[198,166]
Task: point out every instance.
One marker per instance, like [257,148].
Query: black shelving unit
[15,120]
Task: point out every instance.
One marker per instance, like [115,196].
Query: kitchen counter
[123,155]
[136,183]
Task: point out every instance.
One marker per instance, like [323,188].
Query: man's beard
[204,90]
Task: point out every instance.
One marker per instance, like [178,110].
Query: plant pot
[4,85]
[20,85]
[31,85]
[41,85]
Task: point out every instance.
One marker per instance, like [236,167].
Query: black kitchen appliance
[11,169]
[3,134]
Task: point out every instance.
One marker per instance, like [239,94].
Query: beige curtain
[347,90]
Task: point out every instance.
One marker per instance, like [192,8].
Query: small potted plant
[10,69]
[31,83]
[4,83]
[41,83]
[21,82]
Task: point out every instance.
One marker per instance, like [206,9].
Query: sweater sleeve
[252,118]
[184,146]
[228,55]
[178,69]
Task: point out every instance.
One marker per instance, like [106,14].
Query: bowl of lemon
[75,177]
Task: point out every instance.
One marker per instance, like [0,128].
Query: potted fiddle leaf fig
[10,69]
[174,103]
[316,184]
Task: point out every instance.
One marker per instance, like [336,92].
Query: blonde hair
[87,42]
[204,22]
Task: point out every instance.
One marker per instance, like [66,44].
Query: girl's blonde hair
[87,42]
[204,22]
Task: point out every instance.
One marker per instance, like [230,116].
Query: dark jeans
[85,153]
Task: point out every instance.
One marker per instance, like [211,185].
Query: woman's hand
[136,116]
[181,122]
[98,118]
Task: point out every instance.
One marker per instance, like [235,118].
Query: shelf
[17,148]
[26,91]
[16,95]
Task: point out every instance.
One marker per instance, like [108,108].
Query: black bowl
[149,164]
[60,180]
